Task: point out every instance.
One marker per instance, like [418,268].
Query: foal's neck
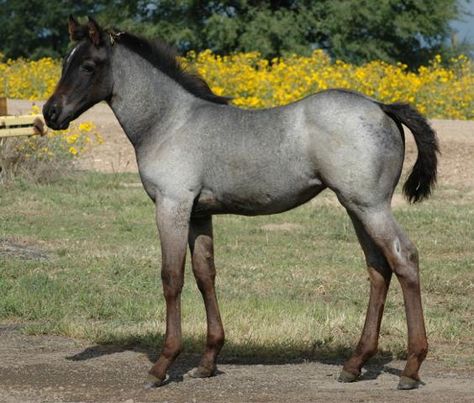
[144,99]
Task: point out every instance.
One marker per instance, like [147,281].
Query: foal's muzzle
[54,116]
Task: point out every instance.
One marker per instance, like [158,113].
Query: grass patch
[291,285]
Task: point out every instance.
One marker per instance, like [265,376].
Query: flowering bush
[67,144]
[436,90]
[25,79]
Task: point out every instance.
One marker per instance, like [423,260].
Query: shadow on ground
[245,354]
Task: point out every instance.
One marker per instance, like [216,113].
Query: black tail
[423,175]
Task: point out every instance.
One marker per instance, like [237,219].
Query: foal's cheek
[99,87]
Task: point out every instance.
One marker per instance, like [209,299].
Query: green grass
[290,285]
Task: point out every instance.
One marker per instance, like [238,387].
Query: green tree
[37,28]
[410,31]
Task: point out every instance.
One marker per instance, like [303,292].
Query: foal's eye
[87,68]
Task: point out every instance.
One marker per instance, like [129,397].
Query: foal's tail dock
[423,175]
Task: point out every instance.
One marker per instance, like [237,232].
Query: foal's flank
[199,156]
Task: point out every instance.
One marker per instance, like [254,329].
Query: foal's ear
[76,31]
[95,32]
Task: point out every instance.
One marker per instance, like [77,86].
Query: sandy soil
[46,368]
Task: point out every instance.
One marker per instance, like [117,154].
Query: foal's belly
[258,201]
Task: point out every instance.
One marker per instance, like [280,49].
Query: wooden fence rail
[24,125]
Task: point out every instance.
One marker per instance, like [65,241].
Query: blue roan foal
[199,156]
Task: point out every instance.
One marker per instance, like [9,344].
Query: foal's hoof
[152,381]
[201,372]
[346,376]
[407,383]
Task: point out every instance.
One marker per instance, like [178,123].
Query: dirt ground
[47,368]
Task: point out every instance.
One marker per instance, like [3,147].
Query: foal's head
[86,76]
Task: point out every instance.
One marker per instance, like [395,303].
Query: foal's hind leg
[402,257]
[379,276]
[201,245]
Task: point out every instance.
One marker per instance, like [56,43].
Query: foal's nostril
[51,112]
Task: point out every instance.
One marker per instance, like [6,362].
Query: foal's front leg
[172,217]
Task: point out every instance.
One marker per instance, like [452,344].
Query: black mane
[165,59]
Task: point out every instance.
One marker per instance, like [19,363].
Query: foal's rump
[357,148]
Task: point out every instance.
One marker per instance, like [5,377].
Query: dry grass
[15,163]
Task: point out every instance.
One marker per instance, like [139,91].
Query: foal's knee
[172,283]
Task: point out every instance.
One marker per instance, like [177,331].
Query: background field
[82,261]
[80,258]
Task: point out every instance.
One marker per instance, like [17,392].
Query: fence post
[3,106]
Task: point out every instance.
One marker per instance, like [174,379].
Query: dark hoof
[407,383]
[152,382]
[201,372]
[346,376]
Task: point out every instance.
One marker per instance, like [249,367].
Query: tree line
[356,31]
